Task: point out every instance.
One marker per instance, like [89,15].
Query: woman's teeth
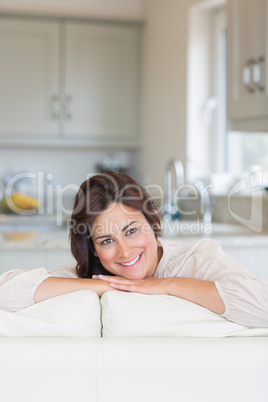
[129,264]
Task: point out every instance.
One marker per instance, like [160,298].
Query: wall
[67,165]
[54,174]
[165,86]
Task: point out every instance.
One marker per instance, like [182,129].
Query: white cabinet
[29,77]
[67,80]
[252,258]
[247,99]
[101,81]
[31,259]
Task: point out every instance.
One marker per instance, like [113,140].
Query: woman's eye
[131,231]
[107,241]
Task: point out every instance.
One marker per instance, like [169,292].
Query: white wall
[165,104]
[198,138]
[66,165]
[165,86]
[116,9]
[59,170]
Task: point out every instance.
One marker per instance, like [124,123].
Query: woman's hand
[194,290]
[149,285]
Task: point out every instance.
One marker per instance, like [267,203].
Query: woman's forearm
[54,286]
[197,291]
[194,290]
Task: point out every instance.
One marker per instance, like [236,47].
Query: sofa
[129,347]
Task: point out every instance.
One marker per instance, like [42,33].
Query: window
[247,152]
[211,149]
[206,134]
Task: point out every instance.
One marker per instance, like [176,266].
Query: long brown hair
[94,197]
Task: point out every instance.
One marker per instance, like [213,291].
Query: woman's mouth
[131,264]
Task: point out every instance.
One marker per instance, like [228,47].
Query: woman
[115,239]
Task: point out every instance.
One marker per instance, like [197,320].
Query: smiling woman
[115,239]
[126,244]
[109,211]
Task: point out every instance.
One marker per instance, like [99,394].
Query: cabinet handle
[247,75]
[258,74]
[69,107]
[56,109]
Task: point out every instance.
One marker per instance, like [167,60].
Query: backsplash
[243,210]
[63,167]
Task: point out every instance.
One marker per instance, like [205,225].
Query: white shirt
[245,297]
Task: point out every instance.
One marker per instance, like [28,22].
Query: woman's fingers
[122,286]
[146,285]
[114,279]
[102,277]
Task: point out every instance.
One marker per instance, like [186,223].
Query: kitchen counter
[226,234]
[230,241]
[52,240]
[51,249]
[59,240]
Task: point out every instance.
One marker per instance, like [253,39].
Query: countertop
[50,240]
[59,240]
[42,233]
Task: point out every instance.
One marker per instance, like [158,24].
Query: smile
[131,263]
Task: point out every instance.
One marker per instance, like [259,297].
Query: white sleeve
[17,287]
[245,300]
[245,296]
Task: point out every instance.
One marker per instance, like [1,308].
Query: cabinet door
[29,77]
[261,56]
[247,59]
[101,81]
[241,102]
[22,259]
[252,258]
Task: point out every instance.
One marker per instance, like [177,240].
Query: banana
[19,236]
[23,201]
[19,201]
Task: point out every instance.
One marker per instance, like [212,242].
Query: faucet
[206,209]
[170,209]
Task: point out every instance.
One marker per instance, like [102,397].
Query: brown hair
[94,197]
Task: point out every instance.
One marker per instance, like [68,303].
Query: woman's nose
[124,249]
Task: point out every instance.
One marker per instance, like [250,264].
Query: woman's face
[125,242]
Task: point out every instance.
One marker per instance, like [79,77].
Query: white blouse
[245,297]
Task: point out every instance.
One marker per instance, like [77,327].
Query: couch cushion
[132,314]
[75,314]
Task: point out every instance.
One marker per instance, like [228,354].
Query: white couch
[129,347]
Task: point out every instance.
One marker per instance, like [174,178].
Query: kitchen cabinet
[31,259]
[252,258]
[247,74]
[29,77]
[101,81]
[49,249]
[69,80]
